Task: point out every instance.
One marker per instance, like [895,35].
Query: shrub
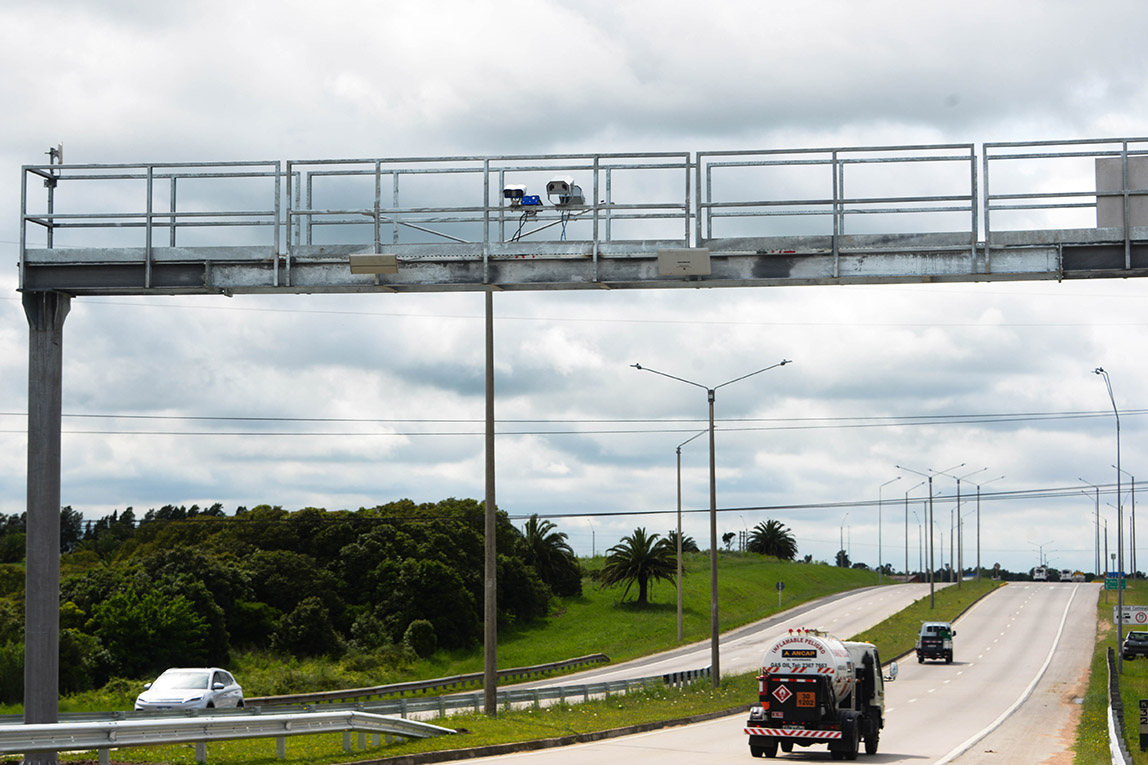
[420,638]
[307,631]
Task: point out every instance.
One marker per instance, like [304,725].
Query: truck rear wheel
[787,746]
[871,743]
[769,749]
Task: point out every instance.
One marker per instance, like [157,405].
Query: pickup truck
[935,641]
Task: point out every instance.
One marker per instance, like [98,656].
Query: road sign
[1143,724]
[780,586]
[1110,583]
[1137,615]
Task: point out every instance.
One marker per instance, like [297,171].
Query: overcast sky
[367,399]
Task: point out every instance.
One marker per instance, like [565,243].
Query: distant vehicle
[1135,644]
[816,689]
[191,688]
[1078,576]
[935,641]
[1040,574]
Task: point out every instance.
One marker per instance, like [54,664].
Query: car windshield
[1138,637]
[171,680]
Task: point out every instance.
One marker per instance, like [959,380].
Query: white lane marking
[972,740]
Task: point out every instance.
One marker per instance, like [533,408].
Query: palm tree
[689,544]
[548,552]
[772,538]
[639,558]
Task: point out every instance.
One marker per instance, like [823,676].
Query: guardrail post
[362,739]
[281,747]
[201,751]
[347,741]
[105,757]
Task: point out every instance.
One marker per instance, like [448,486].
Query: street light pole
[715,658]
[880,564]
[960,558]
[929,476]
[1131,525]
[922,483]
[1119,527]
[1097,488]
[979,485]
[841,539]
[679,450]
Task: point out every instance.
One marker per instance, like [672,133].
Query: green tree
[689,544]
[307,631]
[639,558]
[772,538]
[146,631]
[548,552]
[71,529]
[426,589]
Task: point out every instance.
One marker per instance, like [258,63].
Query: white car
[191,688]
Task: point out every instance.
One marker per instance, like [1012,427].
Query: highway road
[1021,655]
[842,615]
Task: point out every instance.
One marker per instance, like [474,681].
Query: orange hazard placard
[806,699]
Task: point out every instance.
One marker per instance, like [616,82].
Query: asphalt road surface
[1008,696]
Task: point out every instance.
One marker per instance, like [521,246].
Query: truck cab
[935,641]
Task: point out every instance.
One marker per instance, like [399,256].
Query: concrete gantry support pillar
[46,312]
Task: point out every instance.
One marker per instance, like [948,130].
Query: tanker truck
[816,689]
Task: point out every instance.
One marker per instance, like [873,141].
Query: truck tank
[814,653]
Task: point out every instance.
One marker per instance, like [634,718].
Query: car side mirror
[217,686]
[892,672]
[954,633]
[147,686]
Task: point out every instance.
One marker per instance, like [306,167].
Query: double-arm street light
[922,483]
[1119,527]
[1131,525]
[979,485]
[1097,492]
[715,668]
[880,563]
[960,557]
[929,477]
[679,450]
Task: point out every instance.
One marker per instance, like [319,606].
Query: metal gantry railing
[836,203]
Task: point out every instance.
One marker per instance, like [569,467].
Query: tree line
[186,586]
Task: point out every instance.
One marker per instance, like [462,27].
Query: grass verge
[1092,733]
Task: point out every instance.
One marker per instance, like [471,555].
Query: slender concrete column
[490,592]
[46,312]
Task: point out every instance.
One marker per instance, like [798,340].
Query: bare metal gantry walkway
[749,218]
[1063,210]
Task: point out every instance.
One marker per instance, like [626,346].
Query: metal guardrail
[398,689]
[201,726]
[151,731]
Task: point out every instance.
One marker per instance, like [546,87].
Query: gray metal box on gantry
[1109,177]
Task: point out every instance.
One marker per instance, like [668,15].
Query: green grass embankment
[1092,733]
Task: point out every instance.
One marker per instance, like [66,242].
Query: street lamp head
[785,361]
[636,366]
[1098,371]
